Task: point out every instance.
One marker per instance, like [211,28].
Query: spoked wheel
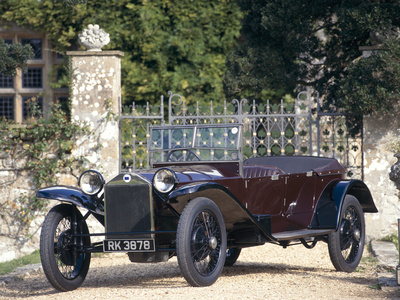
[57,249]
[201,242]
[232,254]
[346,245]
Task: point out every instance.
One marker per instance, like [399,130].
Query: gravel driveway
[261,272]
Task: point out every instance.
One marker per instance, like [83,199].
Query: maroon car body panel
[276,186]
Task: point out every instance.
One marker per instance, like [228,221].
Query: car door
[264,195]
[299,199]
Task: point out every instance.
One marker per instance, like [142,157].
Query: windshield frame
[194,141]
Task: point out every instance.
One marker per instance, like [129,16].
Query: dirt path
[262,272]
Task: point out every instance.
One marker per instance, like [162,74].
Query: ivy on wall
[37,152]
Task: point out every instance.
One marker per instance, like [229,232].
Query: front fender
[72,195]
[234,212]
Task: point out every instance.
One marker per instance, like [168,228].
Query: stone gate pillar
[96,97]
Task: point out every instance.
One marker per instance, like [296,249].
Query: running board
[298,234]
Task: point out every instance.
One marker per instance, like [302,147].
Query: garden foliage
[312,43]
[177,45]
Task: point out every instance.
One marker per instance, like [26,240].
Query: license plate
[138,245]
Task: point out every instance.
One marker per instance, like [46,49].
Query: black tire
[56,251]
[232,254]
[346,245]
[201,242]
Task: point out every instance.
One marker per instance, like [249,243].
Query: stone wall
[96,94]
[378,130]
[12,185]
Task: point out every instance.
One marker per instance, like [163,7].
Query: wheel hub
[213,243]
[357,235]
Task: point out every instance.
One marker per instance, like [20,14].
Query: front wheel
[201,242]
[346,245]
[58,248]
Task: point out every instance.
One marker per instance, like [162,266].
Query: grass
[375,287]
[392,238]
[367,262]
[9,266]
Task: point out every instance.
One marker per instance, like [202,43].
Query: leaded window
[36,45]
[7,107]
[6,81]
[33,78]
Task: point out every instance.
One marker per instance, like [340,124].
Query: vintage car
[203,203]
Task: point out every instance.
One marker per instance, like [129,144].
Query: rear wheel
[232,254]
[201,242]
[57,249]
[346,245]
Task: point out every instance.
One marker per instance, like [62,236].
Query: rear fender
[234,212]
[330,203]
[74,196]
[357,189]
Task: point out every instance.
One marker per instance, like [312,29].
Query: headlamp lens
[164,180]
[91,182]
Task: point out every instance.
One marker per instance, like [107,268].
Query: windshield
[195,143]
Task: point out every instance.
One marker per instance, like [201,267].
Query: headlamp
[91,182]
[164,180]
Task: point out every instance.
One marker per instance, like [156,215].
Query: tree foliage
[372,84]
[14,56]
[290,44]
[177,45]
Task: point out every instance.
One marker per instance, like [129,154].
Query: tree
[13,56]
[290,44]
[372,84]
[177,45]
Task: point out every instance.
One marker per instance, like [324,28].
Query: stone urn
[394,174]
[93,38]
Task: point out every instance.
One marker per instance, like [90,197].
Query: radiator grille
[128,208]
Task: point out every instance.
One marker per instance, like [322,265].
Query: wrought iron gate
[299,128]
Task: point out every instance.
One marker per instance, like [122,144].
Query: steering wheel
[171,156]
